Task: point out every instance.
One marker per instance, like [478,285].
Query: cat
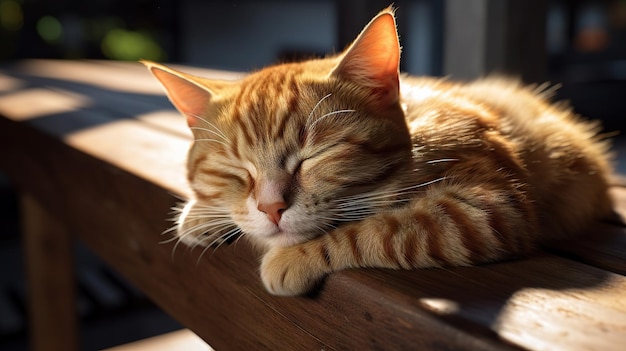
[342,162]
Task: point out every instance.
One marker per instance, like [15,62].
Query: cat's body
[340,162]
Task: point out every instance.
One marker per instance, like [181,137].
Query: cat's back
[523,114]
[515,107]
[503,99]
[562,159]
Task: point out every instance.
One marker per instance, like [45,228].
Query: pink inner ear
[187,96]
[373,59]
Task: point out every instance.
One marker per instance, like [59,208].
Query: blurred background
[578,43]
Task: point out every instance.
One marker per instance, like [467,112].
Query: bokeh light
[11,15]
[122,44]
[49,29]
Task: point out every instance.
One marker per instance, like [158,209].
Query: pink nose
[273,211]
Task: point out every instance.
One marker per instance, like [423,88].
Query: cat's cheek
[286,271]
[186,224]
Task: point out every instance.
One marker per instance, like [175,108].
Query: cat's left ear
[373,59]
[186,92]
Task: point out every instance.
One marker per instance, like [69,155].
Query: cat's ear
[186,92]
[373,59]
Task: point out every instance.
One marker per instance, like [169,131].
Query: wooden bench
[183,340]
[97,154]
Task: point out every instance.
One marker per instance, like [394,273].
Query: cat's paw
[288,271]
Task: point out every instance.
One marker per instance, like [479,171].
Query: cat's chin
[283,239]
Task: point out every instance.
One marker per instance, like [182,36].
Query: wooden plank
[183,339]
[544,303]
[50,276]
[64,88]
[127,90]
[118,207]
[603,245]
[125,143]
[366,307]
[75,178]
[120,216]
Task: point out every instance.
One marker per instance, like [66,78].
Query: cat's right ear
[373,59]
[186,92]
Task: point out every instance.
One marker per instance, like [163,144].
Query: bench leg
[50,278]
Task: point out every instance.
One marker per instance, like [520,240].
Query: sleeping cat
[342,162]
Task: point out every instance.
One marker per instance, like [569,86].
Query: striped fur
[340,162]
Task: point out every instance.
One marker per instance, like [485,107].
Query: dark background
[582,44]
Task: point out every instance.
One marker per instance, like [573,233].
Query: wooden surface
[51,288]
[183,340]
[97,145]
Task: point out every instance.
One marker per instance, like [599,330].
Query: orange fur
[340,162]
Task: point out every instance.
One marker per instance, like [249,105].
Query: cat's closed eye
[293,163]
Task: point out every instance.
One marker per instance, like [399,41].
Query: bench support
[50,278]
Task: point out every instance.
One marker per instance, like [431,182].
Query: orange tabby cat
[341,162]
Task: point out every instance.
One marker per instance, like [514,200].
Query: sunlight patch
[38,102]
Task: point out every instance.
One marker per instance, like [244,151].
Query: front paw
[289,271]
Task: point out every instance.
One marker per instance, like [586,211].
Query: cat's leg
[448,226]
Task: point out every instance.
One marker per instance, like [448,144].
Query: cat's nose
[274,210]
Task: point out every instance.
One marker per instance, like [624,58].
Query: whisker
[222,238]
[312,126]
[359,206]
[211,226]
[241,234]
[375,203]
[324,231]
[350,212]
[308,119]
[212,132]
[208,209]
[234,232]
[211,219]
[208,216]
[180,239]
[384,193]
[202,254]
[442,160]
[167,241]
[213,140]
[356,211]
[170,229]
[348,219]
[216,130]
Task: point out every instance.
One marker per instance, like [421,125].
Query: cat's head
[292,150]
